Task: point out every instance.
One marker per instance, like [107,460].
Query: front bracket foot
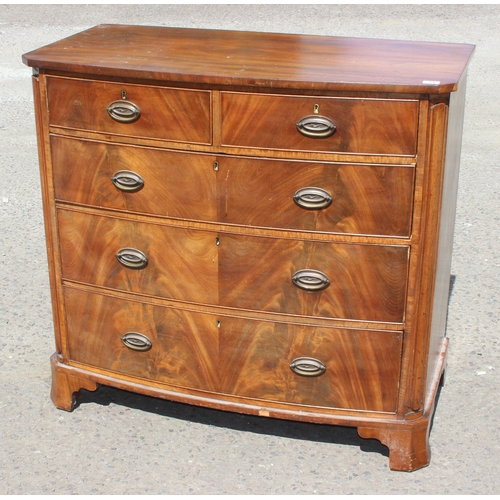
[65,387]
[408,448]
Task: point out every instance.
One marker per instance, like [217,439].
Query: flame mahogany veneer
[253,222]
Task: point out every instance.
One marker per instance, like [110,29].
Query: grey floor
[119,443]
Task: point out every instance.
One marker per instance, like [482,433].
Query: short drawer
[362,126]
[336,198]
[136,179]
[134,110]
[250,359]
[109,252]
[332,280]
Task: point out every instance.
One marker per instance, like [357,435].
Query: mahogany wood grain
[184,345]
[364,126]
[83,172]
[182,263]
[273,60]
[243,357]
[367,282]
[362,367]
[165,113]
[366,199]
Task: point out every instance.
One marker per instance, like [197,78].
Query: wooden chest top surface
[267,60]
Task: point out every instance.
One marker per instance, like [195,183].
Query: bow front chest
[253,222]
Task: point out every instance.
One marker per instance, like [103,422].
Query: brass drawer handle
[128,181]
[307,367]
[310,280]
[124,111]
[137,341]
[312,198]
[132,258]
[316,126]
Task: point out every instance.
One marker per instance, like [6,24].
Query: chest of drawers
[253,222]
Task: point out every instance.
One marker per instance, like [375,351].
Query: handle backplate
[132,258]
[310,280]
[312,198]
[307,367]
[128,181]
[124,111]
[316,126]
[136,341]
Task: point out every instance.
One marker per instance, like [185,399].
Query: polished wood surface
[165,113]
[241,357]
[367,282]
[221,159]
[366,199]
[182,263]
[362,367]
[83,172]
[366,126]
[184,348]
[219,57]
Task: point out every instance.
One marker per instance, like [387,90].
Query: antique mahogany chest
[253,222]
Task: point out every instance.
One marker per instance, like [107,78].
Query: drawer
[361,367]
[164,113]
[181,263]
[340,198]
[147,180]
[364,282]
[183,345]
[236,357]
[333,280]
[362,126]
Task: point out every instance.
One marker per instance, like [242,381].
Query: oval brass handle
[128,181]
[310,280]
[316,126]
[124,111]
[308,367]
[137,341]
[132,258]
[312,198]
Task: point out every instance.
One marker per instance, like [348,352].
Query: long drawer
[325,197]
[299,123]
[333,280]
[251,359]
[133,110]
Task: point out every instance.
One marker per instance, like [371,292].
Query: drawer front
[356,199]
[164,113]
[181,263]
[136,179]
[183,348]
[233,356]
[363,126]
[361,367]
[364,282]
